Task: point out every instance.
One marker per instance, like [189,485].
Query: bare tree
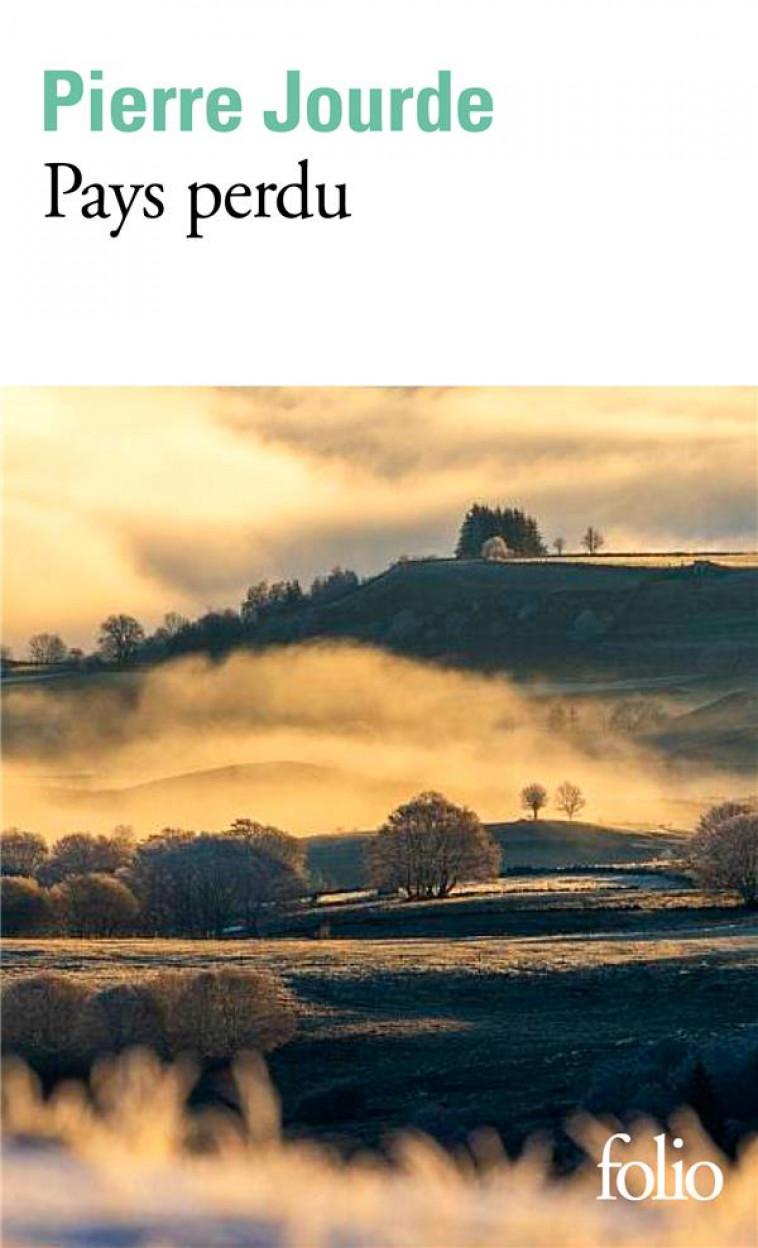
[724,850]
[559,545]
[47,648]
[21,853]
[569,798]
[173,623]
[428,846]
[496,549]
[534,797]
[720,813]
[275,868]
[120,638]
[81,853]
[593,541]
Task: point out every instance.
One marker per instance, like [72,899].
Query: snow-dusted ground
[124,1175]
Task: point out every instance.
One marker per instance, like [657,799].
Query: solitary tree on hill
[570,799]
[593,541]
[533,798]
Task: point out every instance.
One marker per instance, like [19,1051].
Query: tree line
[174,883]
[123,640]
[491,533]
[210,884]
[214,884]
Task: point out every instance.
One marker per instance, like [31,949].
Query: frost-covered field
[110,960]
[435,1035]
[125,1173]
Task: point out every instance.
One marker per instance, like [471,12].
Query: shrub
[81,853]
[44,1020]
[62,1022]
[25,908]
[218,1013]
[96,905]
[126,1016]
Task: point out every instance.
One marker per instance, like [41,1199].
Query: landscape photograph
[380,814]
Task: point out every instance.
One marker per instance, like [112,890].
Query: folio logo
[684,1184]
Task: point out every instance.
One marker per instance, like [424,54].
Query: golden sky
[151,500]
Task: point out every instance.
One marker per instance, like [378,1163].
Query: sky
[146,501]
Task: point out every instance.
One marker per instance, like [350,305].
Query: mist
[145,501]
[314,738]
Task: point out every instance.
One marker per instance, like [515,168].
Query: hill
[338,861]
[546,614]
[723,731]
[225,793]
[566,618]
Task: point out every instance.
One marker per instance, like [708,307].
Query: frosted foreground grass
[134,1168]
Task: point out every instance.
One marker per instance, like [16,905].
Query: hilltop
[637,616]
[547,614]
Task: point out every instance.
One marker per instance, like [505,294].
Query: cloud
[150,500]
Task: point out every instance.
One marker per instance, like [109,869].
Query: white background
[602,231]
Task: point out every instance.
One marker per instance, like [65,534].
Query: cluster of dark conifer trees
[519,531]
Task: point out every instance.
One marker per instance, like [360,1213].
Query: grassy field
[449,1035]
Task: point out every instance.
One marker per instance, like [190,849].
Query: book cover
[380,557]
